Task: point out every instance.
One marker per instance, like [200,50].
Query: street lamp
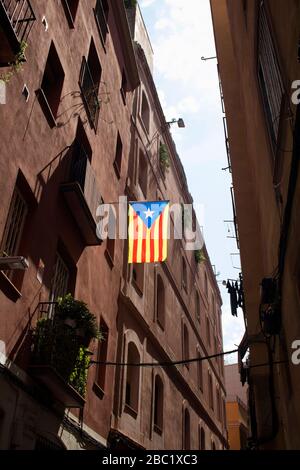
[208,58]
[13,262]
[180,122]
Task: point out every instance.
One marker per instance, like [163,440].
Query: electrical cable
[162,364]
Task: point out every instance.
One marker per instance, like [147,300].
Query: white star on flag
[148,213]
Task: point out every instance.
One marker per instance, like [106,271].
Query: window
[213,446]
[101,15]
[158,404]
[269,76]
[132,379]
[224,411]
[208,331]
[215,347]
[70,7]
[200,372]
[219,412]
[110,247]
[197,306]
[89,82]
[123,89]
[202,439]
[80,156]
[185,345]
[118,156]
[102,356]
[245,10]
[60,279]
[184,275]
[143,173]
[145,112]
[186,430]
[210,391]
[111,237]
[205,284]
[160,301]
[51,86]
[14,227]
[138,277]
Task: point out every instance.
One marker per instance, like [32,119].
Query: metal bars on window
[21,17]
[60,280]
[14,225]
[270,79]
[89,91]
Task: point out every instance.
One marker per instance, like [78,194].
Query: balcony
[59,360]
[16,20]
[81,194]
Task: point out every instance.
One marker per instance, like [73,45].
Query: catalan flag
[148,231]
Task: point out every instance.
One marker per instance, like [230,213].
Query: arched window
[202,439]
[185,345]
[197,306]
[200,372]
[132,378]
[184,274]
[145,112]
[186,430]
[158,404]
[219,404]
[160,301]
[143,173]
[208,330]
[210,391]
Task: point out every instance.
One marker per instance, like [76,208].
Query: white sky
[181,33]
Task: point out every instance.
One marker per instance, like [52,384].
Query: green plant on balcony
[164,158]
[16,65]
[84,321]
[61,341]
[78,377]
[199,256]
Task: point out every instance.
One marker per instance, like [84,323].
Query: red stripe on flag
[160,239]
[135,238]
[152,242]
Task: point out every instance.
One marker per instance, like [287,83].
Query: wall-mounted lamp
[208,58]
[180,122]
[13,262]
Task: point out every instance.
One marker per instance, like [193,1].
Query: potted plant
[199,256]
[76,314]
[15,66]
[164,158]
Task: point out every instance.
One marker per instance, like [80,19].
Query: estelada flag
[148,231]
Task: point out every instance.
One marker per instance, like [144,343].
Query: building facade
[77,128]
[258,59]
[237,413]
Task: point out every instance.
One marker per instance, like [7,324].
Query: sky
[181,33]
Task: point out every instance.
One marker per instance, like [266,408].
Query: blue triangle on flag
[149,211]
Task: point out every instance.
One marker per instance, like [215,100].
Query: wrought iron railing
[89,90]
[56,344]
[21,17]
[82,172]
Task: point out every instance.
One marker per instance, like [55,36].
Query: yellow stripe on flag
[156,240]
[148,250]
[139,240]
